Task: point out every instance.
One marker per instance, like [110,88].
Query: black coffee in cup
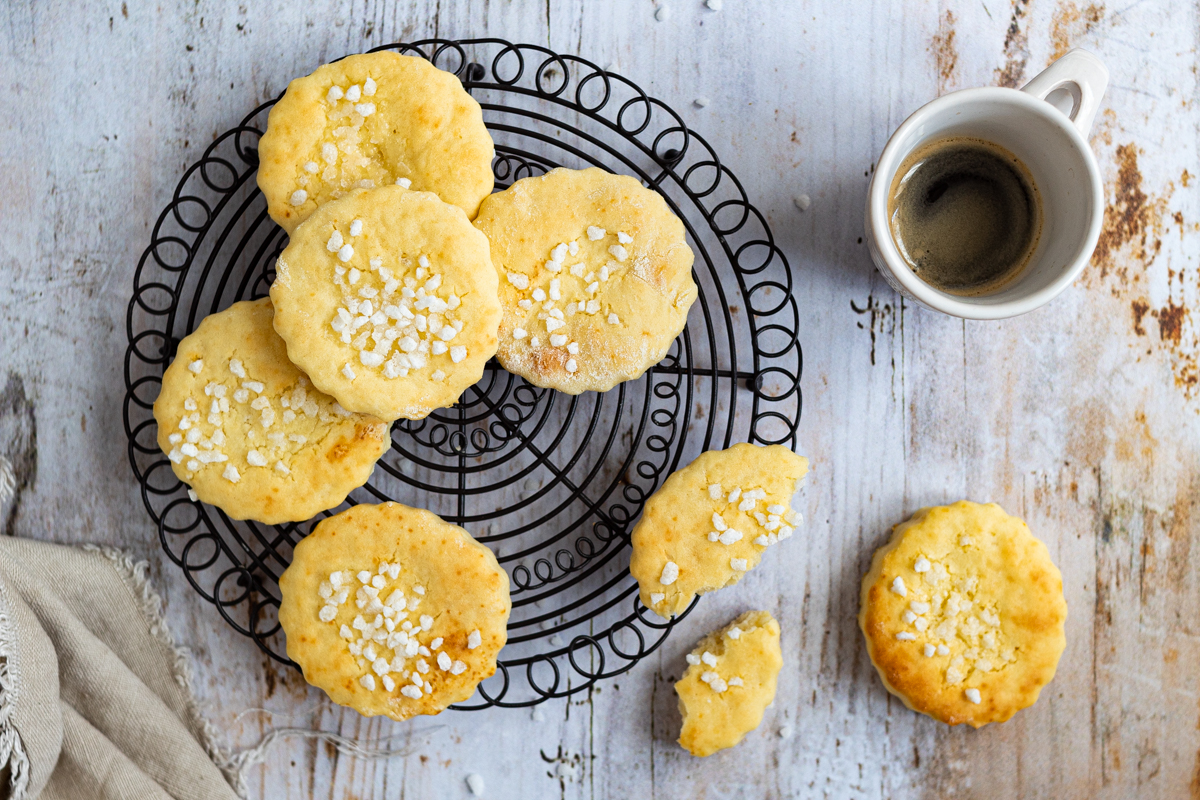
[965,215]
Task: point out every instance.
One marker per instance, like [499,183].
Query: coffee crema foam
[965,214]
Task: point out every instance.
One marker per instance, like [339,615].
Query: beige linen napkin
[95,700]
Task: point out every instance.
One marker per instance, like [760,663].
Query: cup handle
[1074,85]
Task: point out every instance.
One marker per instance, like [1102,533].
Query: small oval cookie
[729,682]
[710,523]
[963,614]
[376,119]
[595,278]
[387,299]
[249,433]
[392,610]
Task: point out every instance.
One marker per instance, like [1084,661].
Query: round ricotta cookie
[729,682]
[392,610]
[963,613]
[376,119]
[595,278]
[249,433]
[387,300]
[710,523]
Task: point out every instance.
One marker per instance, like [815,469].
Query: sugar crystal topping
[947,617]
[231,396]
[566,285]
[777,524]
[774,526]
[388,638]
[345,159]
[397,313]
[710,663]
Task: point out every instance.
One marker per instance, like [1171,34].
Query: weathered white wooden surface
[1082,417]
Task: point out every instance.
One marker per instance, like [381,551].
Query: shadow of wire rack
[553,483]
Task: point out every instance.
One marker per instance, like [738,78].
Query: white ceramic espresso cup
[1044,125]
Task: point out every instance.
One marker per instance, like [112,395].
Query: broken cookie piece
[729,682]
[712,521]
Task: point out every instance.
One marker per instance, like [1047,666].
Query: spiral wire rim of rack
[214,244]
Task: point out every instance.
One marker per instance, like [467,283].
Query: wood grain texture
[1081,417]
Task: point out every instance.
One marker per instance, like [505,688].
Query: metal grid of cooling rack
[552,482]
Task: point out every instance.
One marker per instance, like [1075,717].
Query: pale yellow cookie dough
[595,278]
[376,119]
[392,610]
[387,299]
[711,522]
[247,431]
[729,682]
[963,614]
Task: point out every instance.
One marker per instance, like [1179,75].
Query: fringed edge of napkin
[232,767]
[134,574]
[12,749]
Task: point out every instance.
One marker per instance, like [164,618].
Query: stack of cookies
[403,276]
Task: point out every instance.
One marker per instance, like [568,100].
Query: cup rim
[880,231]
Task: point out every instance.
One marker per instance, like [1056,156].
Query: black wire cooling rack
[553,483]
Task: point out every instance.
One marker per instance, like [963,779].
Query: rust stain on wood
[1170,322]
[1070,24]
[1131,241]
[1180,530]
[1140,307]
[1016,48]
[1135,443]
[1131,218]
[276,676]
[945,54]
